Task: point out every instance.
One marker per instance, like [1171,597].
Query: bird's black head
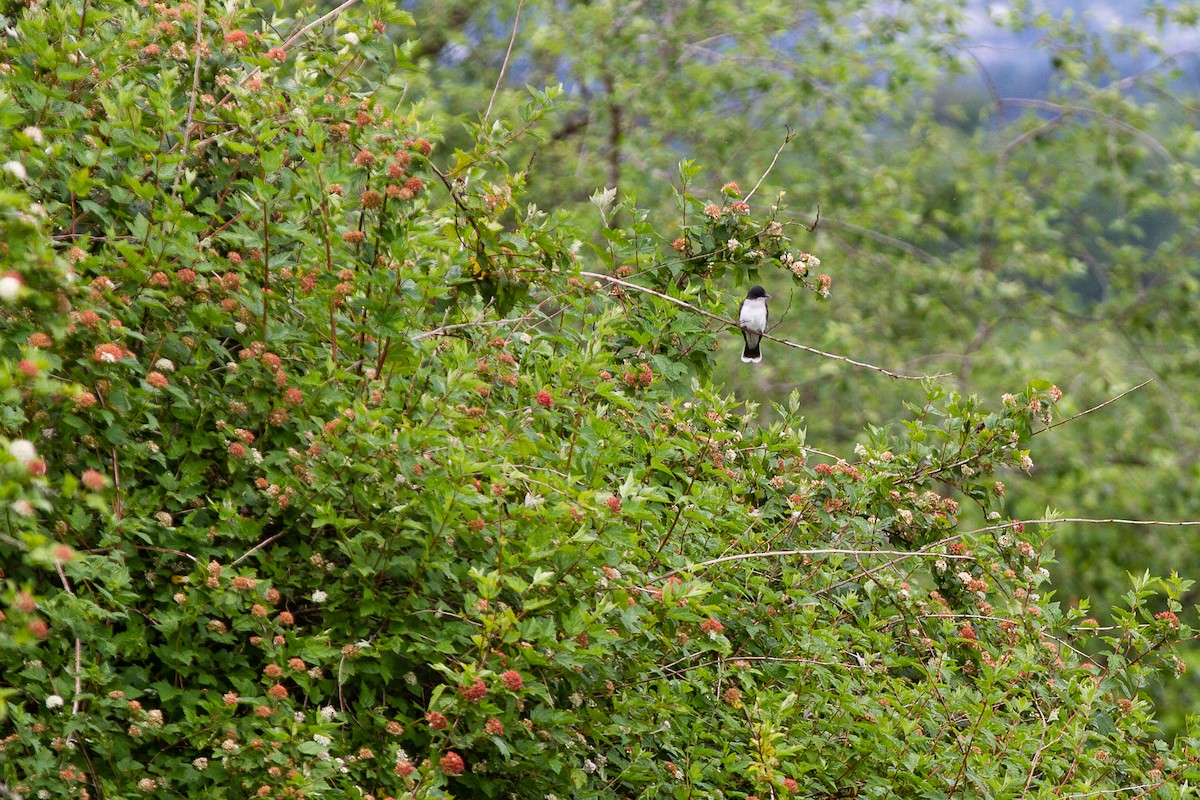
[756,292]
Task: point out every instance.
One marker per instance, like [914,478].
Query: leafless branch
[62,576]
[732,324]
[256,548]
[786,139]
[191,112]
[1151,523]
[504,66]
[1097,407]
[444,329]
[834,551]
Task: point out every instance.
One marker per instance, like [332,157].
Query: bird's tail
[751,355]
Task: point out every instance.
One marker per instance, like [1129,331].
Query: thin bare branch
[188,556]
[1097,407]
[191,112]
[504,66]
[732,324]
[790,135]
[66,584]
[1150,523]
[256,548]
[828,551]
[440,331]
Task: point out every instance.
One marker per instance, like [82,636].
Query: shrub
[338,471]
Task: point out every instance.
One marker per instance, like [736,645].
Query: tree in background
[333,466]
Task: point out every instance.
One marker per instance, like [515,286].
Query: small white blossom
[22,450]
[239,326]
[328,713]
[10,287]
[939,565]
[323,741]
[200,763]
[298,716]
[1026,463]
[16,169]
[165,364]
[54,701]
[319,597]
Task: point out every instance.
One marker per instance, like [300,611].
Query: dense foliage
[1006,190]
[334,467]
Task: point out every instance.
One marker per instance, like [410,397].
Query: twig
[790,135]
[446,328]
[118,503]
[256,548]
[191,112]
[504,66]
[821,552]
[62,576]
[1090,521]
[188,556]
[1097,407]
[732,324]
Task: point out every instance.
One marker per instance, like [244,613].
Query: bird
[752,318]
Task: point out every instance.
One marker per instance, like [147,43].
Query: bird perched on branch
[752,318]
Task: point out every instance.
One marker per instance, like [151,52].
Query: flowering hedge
[331,469]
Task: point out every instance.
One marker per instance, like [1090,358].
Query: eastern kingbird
[752,317]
